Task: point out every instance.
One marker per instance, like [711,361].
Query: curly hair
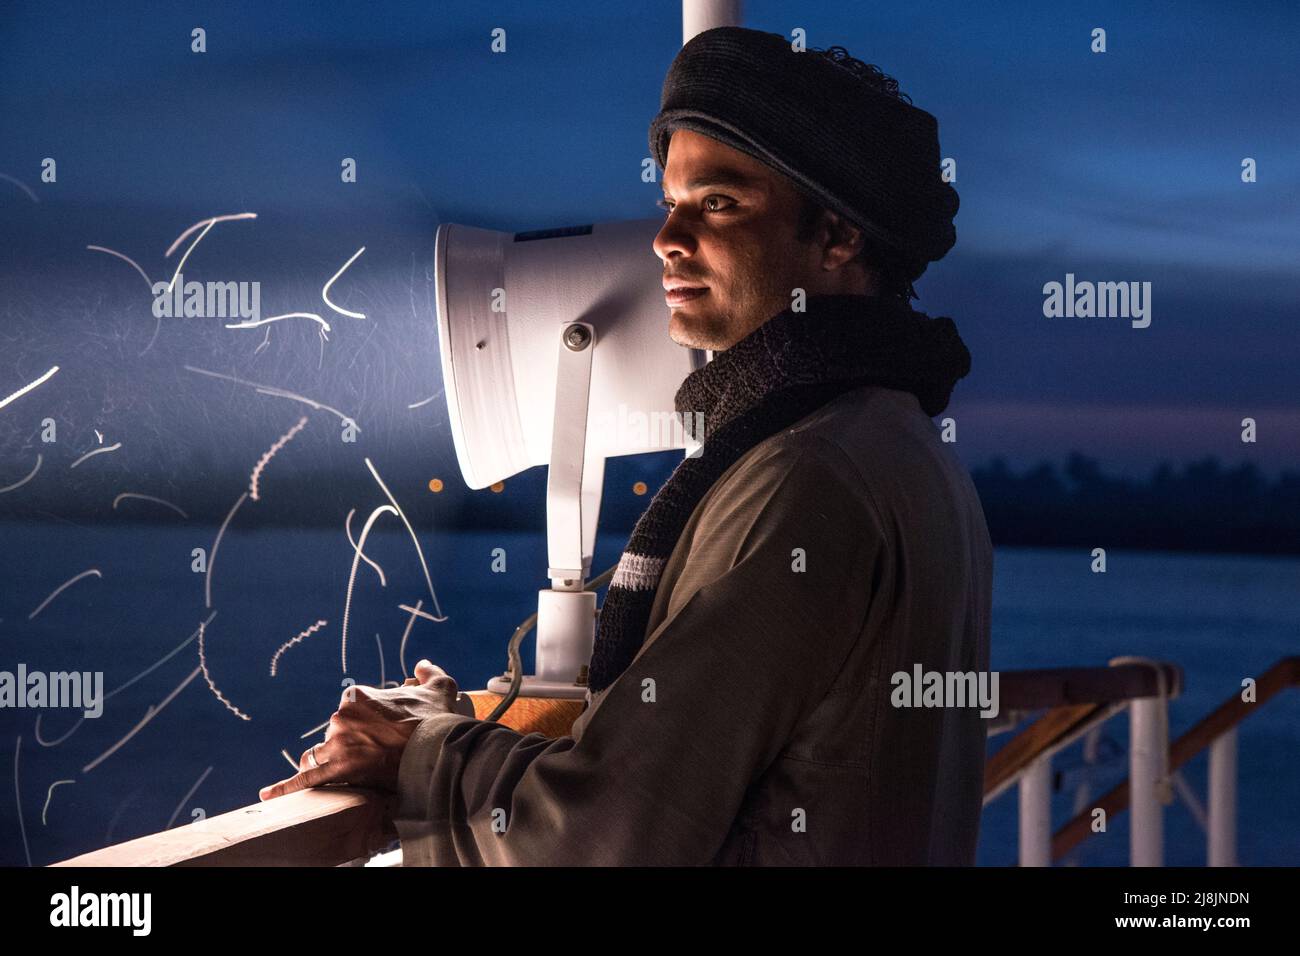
[894,271]
[868,73]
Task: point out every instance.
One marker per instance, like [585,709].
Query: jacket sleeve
[774,594]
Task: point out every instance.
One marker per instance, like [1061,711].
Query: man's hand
[367,734]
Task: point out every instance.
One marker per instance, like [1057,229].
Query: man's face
[730,237]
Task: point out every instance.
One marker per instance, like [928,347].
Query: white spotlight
[555,351]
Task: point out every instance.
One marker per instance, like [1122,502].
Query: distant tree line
[1203,507]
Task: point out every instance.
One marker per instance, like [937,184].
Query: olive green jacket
[755,726]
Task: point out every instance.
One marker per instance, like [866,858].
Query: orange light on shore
[498,487]
[639,488]
[435,485]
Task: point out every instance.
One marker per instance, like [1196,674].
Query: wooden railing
[327,826]
[1282,675]
[1075,699]
[334,825]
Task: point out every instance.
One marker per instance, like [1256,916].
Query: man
[825,539]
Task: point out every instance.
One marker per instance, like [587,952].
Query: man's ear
[845,241]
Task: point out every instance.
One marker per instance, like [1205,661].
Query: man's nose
[674,237]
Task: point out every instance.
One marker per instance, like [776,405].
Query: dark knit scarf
[783,371]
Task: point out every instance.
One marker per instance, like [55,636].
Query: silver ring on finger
[311,755]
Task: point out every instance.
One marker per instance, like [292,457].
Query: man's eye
[710,204]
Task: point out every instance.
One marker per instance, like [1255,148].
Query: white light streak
[352,576]
[27,189]
[325,292]
[150,714]
[70,581]
[204,222]
[49,793]
[181,806]
[180,265]
[251,324]
[212,558]
[96,451]
[133,494]
[18,798]
[27,388]
[347,527]
[279,392]
[410,531]
[25,480]
[114,252]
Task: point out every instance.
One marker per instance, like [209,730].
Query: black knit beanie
[868,156]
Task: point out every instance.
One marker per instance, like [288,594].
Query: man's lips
[677,291]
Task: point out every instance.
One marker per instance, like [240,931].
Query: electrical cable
[516,662]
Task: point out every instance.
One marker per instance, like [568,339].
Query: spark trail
[55,593]
[315,729]
[134,494]
[401,651]
[180,265]
[96,451]
[205,225]
[27,388]
[128,259]
[181,806]
[49,793]
[25,480]
[325,292]
[150,714]
[292,641]
[425,401]
[347,527]
[418,613]
[278,392]
[261,462]
[352,576]
[203,222]
[203,666]
[212,558]
[18,799]
[411,531]
[121,687]
[252,324]
[21,185]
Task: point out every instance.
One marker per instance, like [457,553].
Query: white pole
[1147,742]
[701,15]
[1222,827]
[1035,794]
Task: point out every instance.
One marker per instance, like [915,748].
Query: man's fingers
[424,669]
[354,693]
[314,777]
[322,758]
[435,678]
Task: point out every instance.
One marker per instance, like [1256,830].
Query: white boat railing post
[1148,744]
[1221,831]
[1035,794]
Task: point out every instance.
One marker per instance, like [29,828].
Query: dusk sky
[1121,166]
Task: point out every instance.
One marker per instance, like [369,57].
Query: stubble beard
[759,293]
